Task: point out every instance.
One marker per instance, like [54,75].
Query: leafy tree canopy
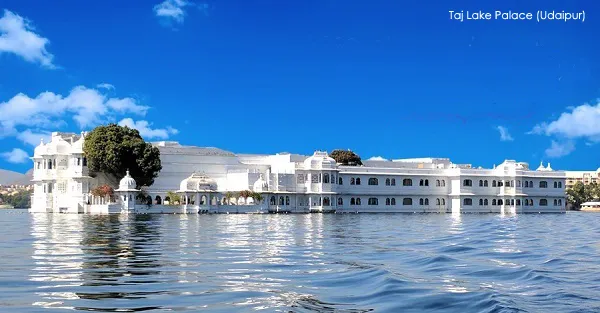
[346,157]
[581,193]
[114,149]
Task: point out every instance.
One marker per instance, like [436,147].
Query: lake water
[300,263]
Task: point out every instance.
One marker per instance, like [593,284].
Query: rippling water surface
[300,263]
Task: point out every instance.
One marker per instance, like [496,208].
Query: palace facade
[208,180]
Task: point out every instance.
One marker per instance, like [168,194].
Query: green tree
[258,198]
[581,193]
[20,200]
[346,157]
[114,149]
[173,197]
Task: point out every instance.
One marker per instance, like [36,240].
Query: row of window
[392,182]
[392,201]
[51,163]
[526,202]
[511,183]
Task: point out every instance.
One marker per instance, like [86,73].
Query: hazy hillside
[25,180]
[10,177]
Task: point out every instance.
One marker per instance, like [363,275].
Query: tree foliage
[20,200]
[114,149]
[174,198]
[103,191]
[581,193]
[346,157]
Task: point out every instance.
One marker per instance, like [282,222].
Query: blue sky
[395,79]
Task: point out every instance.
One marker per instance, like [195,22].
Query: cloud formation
[581,122]
[15,156]
[17,36]
[146,131]
[105,86]
[172,10]
[377,158]
[504,134]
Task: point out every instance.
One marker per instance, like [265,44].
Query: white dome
[198,182]
[40,149]
[541,167]
[319,160]
[260,184]
[127,183]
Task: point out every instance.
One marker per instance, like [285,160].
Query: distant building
[586,177]
[208,179]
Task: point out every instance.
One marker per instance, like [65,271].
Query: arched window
[373,181]
[393,182]
[387,181]
[357,201]
[555,186]
[443,201]
[437,201]
[393,201]
[531,184]
[407,201]
[493,183]
[543,202]
[507,183]
[407,182]
[340,181]
[526,202]
[500,202]
[555,201]
[271,202]
[326,201]
[485,202]
[467,183]
[421,182]
[427,182]
[443,183]
[421,201]
[519,183]
[485,183]
[352,201]
[500,184]
[358,180]
[512,201]
[287,200]
[281,200]
[518,202]
[352,181]
[340,201]
[325,178]
[332,179]
[158,200]
[373,201]
[480,201]
[543,184]
[480,183]
[526,185]
[387,201]
[512,183]
[560,202]
[426,201]
[468,201]
[437,183]
[493,201]
[559,185]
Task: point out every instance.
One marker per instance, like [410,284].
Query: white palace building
[205,177]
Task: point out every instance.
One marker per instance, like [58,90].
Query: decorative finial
[127,172]
[41,141]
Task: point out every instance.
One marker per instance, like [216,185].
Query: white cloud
[560,149]
[504,135]
[171,10]
[87,107]
[377,158]
[17,37]
[33,138]
[581,122]
[105,86]
[15,156]
[144,127]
